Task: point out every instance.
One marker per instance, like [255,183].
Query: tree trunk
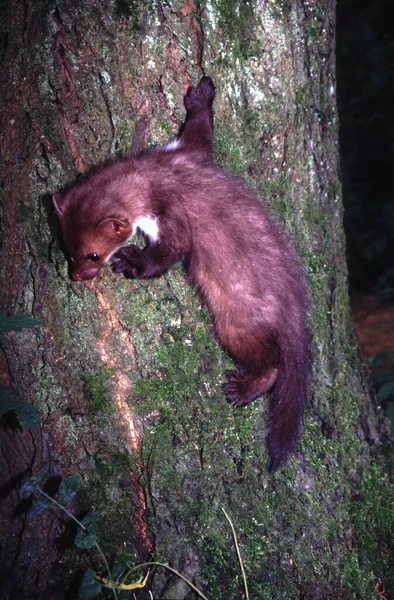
[126,376]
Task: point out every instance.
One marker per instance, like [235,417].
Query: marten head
[92,231]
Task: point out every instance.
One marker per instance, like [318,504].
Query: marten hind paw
[236,390]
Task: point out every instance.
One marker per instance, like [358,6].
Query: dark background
[365,83]
[365,70]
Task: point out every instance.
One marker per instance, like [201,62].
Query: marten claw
[232,390]
[126,253]
[125,261]
[117,266]
[127,269]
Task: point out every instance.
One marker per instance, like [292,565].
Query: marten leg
[197,130]
[242,388]
[141,263]
[257,354]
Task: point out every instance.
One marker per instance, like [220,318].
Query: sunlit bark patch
[122,383]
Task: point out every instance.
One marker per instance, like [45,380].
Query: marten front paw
[127,261]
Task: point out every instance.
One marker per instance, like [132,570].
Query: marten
[192,211]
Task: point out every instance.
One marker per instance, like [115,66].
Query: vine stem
[238,554]
[175,573]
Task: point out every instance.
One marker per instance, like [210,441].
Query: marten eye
[93,257]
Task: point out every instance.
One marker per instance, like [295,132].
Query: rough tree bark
[126,375]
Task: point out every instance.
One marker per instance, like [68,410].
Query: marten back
[245,269]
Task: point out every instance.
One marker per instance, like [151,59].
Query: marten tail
[288,400]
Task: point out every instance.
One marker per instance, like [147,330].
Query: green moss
[359,582]
[280,9]
[123,463]
[220,559]
[106,493]
[237,22]
[162,129]
[314,27]
[305,520]
[182,369]
[278,193]
[24,212]
[319,272]
[372,519]
[301,94]
[96,386]
[314,216]
[228,151]
[158,454]
[130,10]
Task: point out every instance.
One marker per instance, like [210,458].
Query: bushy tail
[288,399]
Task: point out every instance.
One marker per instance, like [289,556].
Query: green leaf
[382,376]
[91,521]
[90,587]
[390,415]
[27,416]
[16,322]
[68,489]
[26,413]
[8,399]
[86,538]
[117,572]
[386,391]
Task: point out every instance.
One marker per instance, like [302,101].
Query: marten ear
[116,229]
[57,200]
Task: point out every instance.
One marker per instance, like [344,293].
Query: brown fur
[244,268]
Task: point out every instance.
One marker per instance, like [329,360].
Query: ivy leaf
[27,416]
[386,391]
[68,489]
[87,538]
[16,322]
[381,376]
[390,415]
[117,572]
[89,587]
[26,413]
